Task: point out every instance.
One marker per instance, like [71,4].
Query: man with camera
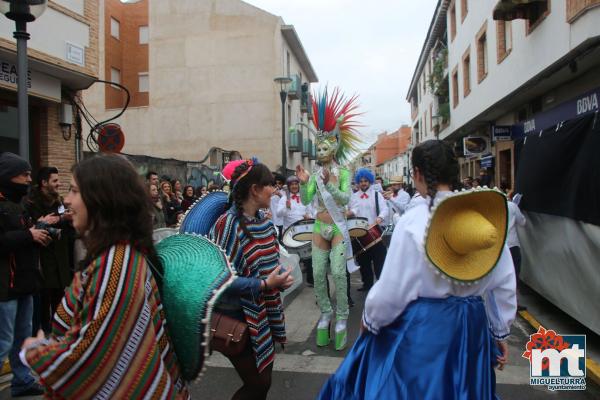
[20,275]
[45,206]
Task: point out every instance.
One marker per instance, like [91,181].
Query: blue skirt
[436,349]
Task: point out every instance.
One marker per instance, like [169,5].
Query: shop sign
[584,104]
[501,132]
[475,145]
[38,84]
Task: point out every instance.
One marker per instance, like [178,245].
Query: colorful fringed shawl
[255,257]
[110,338]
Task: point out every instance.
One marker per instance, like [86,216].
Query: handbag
[228,336]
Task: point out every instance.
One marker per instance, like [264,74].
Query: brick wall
[126,53]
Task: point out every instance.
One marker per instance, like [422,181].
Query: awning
[507,10]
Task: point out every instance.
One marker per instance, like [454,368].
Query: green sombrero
[195,273]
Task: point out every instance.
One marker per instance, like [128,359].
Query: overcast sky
[369,48]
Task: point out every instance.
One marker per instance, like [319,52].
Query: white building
[210,81]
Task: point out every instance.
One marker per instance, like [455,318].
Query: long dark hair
[117,203]
[436,160]
[258,175]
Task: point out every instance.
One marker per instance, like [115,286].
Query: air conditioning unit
[295,88]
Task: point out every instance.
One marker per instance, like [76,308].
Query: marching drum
[368,240]
[357,226]
[301,230]
[294,238]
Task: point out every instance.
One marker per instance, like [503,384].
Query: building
[63,59]
[201,79]
[388,150]
[520,72]
[428,93]
[507,67]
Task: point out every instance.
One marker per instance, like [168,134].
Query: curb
[592,367]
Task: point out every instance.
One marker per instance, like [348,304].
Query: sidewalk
[541,311]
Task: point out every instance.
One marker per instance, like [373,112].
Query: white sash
[338,218]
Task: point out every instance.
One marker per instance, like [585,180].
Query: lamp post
[22,12]
[283,82]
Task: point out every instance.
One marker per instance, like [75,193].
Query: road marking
[289,363]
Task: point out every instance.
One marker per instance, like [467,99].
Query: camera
[53,232]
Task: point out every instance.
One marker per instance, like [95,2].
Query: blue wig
[364,173]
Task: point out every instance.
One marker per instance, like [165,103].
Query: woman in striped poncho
[250,240]
[110,338]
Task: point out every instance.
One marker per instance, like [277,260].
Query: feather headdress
[334,116]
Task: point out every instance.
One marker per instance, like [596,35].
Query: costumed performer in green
[336,141]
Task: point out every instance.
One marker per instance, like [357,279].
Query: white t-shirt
[515,217]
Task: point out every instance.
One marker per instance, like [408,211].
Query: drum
[357,226]
[301,230]
[365,242]
[294,246]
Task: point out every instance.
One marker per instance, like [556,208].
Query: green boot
[323,328]
[341,334]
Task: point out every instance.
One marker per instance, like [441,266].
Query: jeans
[15,327]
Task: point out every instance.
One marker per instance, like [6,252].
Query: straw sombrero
[195,273]
[396,180]
[203,214]
[466,234]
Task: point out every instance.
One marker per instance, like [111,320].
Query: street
[302,369]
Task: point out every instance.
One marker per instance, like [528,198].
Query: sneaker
[34,390]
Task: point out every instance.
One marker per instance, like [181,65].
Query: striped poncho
[110,339]
[255,257]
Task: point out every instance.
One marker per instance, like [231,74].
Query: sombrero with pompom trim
[203,214]
[195,272]
[466,234]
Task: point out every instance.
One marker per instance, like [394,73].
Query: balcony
[295,140]
[305,147]
[312,151]
[295,88]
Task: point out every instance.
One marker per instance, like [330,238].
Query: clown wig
[364,173]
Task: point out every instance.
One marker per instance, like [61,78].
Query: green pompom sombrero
[195,273]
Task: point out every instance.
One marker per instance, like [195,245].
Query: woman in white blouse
[436,322]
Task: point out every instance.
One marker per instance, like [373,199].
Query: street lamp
[22,12]
[283,82]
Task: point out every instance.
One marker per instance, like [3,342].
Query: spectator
[188,198]
[468,182]
[110,326]
[46,205]
[171,206]
[476,183]
[213,187]
[515,218]
[177,190]
[152,178]
[20,276]
[484,178]
[158,212]
[201,191]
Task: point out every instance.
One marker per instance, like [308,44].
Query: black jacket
[19,255]
[55,259]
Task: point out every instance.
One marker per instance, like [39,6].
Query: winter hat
[12,165]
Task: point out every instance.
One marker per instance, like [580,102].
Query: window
[452,21]
[467,73]
[144,35]
[576,8]
[503,39]
[455,87]
[464,9]
[114,28]
[143,82]
[537,12]
[288,63]
[482,57]
[115,76]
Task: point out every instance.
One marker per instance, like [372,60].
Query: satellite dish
[111,138]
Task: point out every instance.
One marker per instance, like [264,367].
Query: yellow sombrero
[466,234]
